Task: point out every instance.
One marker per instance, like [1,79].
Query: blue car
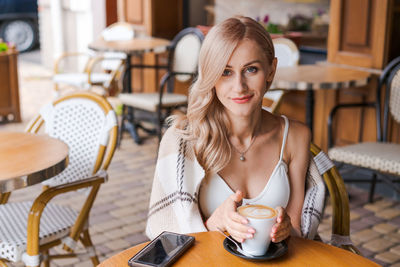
[19,23]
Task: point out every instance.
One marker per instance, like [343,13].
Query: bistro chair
[88,125]
[182,66]
[101,70]
[381,158]
[322,173]
[288,55]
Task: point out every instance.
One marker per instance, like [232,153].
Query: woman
[228,151]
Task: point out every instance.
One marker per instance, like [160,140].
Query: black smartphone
[163,250]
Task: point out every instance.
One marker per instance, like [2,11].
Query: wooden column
[9,95]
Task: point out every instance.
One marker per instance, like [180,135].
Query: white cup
[261,218]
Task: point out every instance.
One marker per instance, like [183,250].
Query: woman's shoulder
[172,142]
[299,136]
[299,129]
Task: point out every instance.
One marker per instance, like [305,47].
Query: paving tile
[122,212]
[396,221]
[103,208]
[396,250]
[115,233]
[328,210]
[363,212]
[354,215]
[325,226]
[394,237]
[115,223]
[372,220]
[358,225]
[366,252]
[117,245]
[325,236]
[388,257]
[385,228]
[65,262]
[372,207]
[86,263]
[136,238]
[102,250]
[378,245]
[365,235]
[389,213]
[356,242]
[99,238]
[385,203]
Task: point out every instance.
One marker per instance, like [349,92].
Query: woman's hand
[226,218]
[281,230]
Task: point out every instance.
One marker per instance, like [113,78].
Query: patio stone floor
[118,217]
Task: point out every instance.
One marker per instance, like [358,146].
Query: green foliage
[273,28]
[3,47]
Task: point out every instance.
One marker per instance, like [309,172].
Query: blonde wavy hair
[206,123]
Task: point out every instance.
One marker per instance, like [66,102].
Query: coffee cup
[261,218]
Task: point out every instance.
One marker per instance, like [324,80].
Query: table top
[208,250]
[136,45]
[315,77]
[27,159]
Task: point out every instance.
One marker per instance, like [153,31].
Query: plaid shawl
[174,197]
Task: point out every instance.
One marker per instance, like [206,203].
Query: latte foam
[257,211]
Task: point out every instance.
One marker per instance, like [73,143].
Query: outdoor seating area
[118,216]
[243,135]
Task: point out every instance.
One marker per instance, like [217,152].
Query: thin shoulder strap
[285,132]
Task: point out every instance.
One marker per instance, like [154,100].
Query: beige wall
[278,10]
[81,21]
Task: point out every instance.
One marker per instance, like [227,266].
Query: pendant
[242,158]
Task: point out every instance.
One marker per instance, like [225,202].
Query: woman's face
[243,83]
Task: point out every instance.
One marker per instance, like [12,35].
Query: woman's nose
[240,84]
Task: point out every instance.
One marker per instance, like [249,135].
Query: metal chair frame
[166,85]
[381,130]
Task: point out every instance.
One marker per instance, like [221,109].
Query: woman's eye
[226,73]
[251,69]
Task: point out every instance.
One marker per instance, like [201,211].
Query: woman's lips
[242,100]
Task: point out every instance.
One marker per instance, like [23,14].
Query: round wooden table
[318,77]
[27,159]
[138,45]
[208,250]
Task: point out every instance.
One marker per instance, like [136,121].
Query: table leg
[310,109]
[129,123]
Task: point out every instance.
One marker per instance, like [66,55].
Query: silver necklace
[242,158]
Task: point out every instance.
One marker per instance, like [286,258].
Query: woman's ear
[272,71]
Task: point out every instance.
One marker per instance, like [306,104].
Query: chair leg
[121,127]
[4,197]
[87,243]
[372,188]
[45,261]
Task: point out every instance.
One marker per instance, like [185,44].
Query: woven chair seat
[55,223]
[384,157]
[149,101]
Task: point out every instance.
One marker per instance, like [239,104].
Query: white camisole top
[214,191]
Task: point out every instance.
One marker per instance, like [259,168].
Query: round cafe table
[208,250]
[318,77]
[27,159]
